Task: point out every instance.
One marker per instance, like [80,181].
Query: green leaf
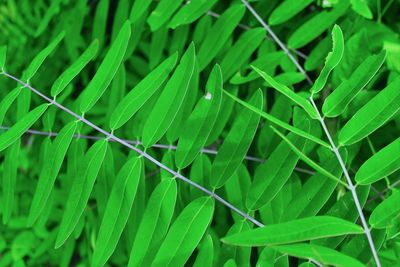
[81,188]
[205,256]
[309,161]
[107,69]
[154,223]
[185,233]
[163,12]
[387,212]
[190,12]
[40,57]
[19,128]
[50,170]
[241,51]
[270,177]
[287,10]
[361,8]
[170,100]
[294,231]
[141,93]
[219,34]
[320,254]
[7,101]
[3,54]
[331,60]
[338,100]
[100,22]
[72,71]
[279,122]
[380,165]
[201,121]
[9,180]
[316,25]
[299,100]
[117,210]
[236,143]
[372,115]
[51,11]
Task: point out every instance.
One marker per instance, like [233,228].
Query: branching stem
[140,152]
[350,184]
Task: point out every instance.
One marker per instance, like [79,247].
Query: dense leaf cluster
[199,133]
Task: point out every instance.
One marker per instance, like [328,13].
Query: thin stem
[140,152]
[162,146]
[246,27]
[350,184]
[277,40]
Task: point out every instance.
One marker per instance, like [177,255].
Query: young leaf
[185,234]
[170,100]
[294,231]
[386,212]
[190,12]
[382,164]
[117,211]
[164,10]
[154,223]
[201,121]
[80,190]
[309,161]
[236,143]
[338,100]
[107,69]
[3,54]
[372,115]
[331,60]
[50,169]
[299,100]
[219,34]
[72,71]
[323,255]
[279,122]
[142,92]
[18,129]
[286,10]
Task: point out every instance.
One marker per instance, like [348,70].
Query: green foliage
[188,133]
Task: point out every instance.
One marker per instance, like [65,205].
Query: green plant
[172,135]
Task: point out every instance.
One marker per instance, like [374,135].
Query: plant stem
[140,152]
[277,40]
[350,184]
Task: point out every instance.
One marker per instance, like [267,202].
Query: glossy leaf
[323,255]
[72,71]
[190,12]
[338,100]
[299,100]
[287,10]
[106,70]
[185,233]
[236,143]
[18,129]
[50,170]
[154,223]
[170,100]
[333,58]
[294,231]
[372,115]
[201,121]
[141,93]
[80,190]
[386,212]
[117,211]
[163,12]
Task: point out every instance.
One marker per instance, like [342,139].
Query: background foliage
[171,133]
